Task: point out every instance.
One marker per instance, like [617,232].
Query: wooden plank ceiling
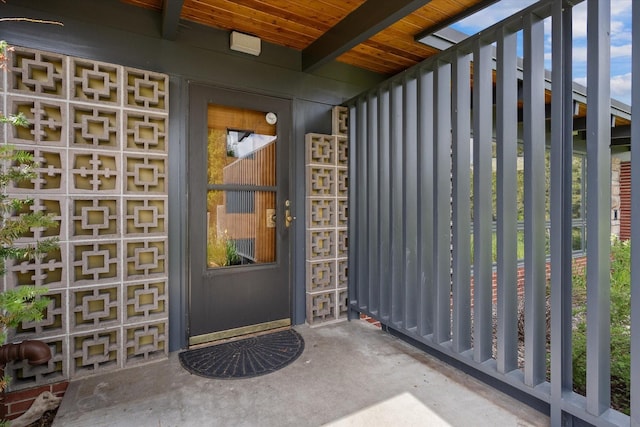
[377,35]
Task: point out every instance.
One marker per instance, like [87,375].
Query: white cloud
[621,51]
[621,8]
[491,15]
[580,20]
[580,54]
[621,87]
[620,20]
[620,33]
[581,81]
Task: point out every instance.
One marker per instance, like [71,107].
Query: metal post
[442,202]
[635,221]
[426,197]
[353,211]
[373,232]
[397,203]
[598,206]
[507,208]
[410,207]
[534,200]
[384,167]
[482,200]
[561,208]
[461,114]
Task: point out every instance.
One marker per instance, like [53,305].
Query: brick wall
[17,403]
[625,200]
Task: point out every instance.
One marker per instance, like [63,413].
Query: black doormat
[249,357]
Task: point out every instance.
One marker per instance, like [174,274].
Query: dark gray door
[239,213]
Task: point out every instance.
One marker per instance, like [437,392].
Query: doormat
[249,357]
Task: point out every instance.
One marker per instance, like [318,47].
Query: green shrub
[620,327]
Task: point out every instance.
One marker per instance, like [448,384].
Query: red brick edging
[18,402]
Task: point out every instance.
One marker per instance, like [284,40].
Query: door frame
[199,96]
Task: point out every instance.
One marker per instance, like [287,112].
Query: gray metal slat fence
[413,265]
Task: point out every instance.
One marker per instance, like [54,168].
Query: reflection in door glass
[237,234]
[241,201]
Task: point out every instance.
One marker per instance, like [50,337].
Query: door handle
[288,219]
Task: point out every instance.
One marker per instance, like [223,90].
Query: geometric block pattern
[145,216]
[145,259]
[342,245]
[322,149]
[342,182]
[94,262]
[49,271]
[95,172]
[46,120]
[53,322]
[24,375]
[145,301]
[96,351]
[94,217]
[146,90]
[100,134]
[95,81]
[342,151]
[51,172]
[326,221]
[343,267]
[343,212]
[321,275]
[321,180]
[52,206]
[146,132]
[321,244]
[145,342]
[94,307]
[37,73]
[94,126]
[340,120]
[145,174]
[322,213]
[343,304]
[321,307]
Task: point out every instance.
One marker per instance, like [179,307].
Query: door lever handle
[288,219]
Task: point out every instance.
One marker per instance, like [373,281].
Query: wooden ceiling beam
[370,18]
[171,10]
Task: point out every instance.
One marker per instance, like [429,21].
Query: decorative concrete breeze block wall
[99,132]
[326,221]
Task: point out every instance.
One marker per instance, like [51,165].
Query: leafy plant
[620,327]
[232,253]
[222,252]
[23,303]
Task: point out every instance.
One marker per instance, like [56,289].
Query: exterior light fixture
[245,43]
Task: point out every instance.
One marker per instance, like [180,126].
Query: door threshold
[237,332]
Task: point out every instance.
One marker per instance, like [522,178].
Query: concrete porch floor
[350,374]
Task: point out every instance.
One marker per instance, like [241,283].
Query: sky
[620,39]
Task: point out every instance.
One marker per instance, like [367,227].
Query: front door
[239,213]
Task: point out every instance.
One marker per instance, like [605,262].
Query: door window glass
[241,197]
